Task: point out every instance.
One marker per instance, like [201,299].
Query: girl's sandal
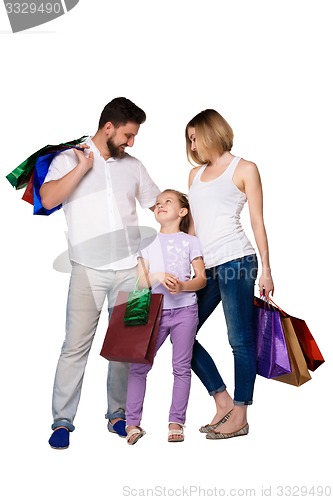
[137,433]
[178,434]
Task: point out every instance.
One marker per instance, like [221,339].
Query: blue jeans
[233,283]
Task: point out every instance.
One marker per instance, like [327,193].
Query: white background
[265,66]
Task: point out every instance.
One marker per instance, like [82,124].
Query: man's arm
[148,191]
[55,192]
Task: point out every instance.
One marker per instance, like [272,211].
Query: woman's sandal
[225,435]
[212,427]
[179,433]
[138,432]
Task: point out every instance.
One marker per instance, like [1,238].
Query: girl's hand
[169,281]
[266,285]
[177,288]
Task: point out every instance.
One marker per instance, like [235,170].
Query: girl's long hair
[184,203]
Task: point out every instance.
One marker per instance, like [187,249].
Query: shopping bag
[137,306]
[132,344]
[299,371]
[272,352]
[31,173]
[311,351]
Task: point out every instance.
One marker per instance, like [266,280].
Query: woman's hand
[266,285]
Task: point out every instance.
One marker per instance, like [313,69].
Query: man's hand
[55,192]
[85,162]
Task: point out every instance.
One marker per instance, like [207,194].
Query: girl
[218,190]
[168,259]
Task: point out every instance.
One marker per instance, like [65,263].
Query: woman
[218,190]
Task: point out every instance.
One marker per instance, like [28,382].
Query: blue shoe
[59,439]
[118,428]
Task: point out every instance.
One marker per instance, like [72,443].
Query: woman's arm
[191,176]
[253,191]
[191,229]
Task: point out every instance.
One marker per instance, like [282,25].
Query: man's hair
[120,111]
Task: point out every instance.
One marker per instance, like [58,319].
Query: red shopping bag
[132,344]
[310,349]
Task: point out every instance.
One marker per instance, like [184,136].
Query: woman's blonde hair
[212,134]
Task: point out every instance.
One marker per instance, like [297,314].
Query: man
[98,186]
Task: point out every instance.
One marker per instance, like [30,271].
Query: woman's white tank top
[216,206]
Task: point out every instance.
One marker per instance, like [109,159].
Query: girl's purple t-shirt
[172,253]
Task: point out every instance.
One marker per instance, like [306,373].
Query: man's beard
[115,151]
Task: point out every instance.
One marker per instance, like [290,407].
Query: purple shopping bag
[272,351]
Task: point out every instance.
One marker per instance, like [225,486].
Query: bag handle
[278,307]
[146,276]
[269,301]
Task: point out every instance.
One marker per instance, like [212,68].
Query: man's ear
[109,128]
